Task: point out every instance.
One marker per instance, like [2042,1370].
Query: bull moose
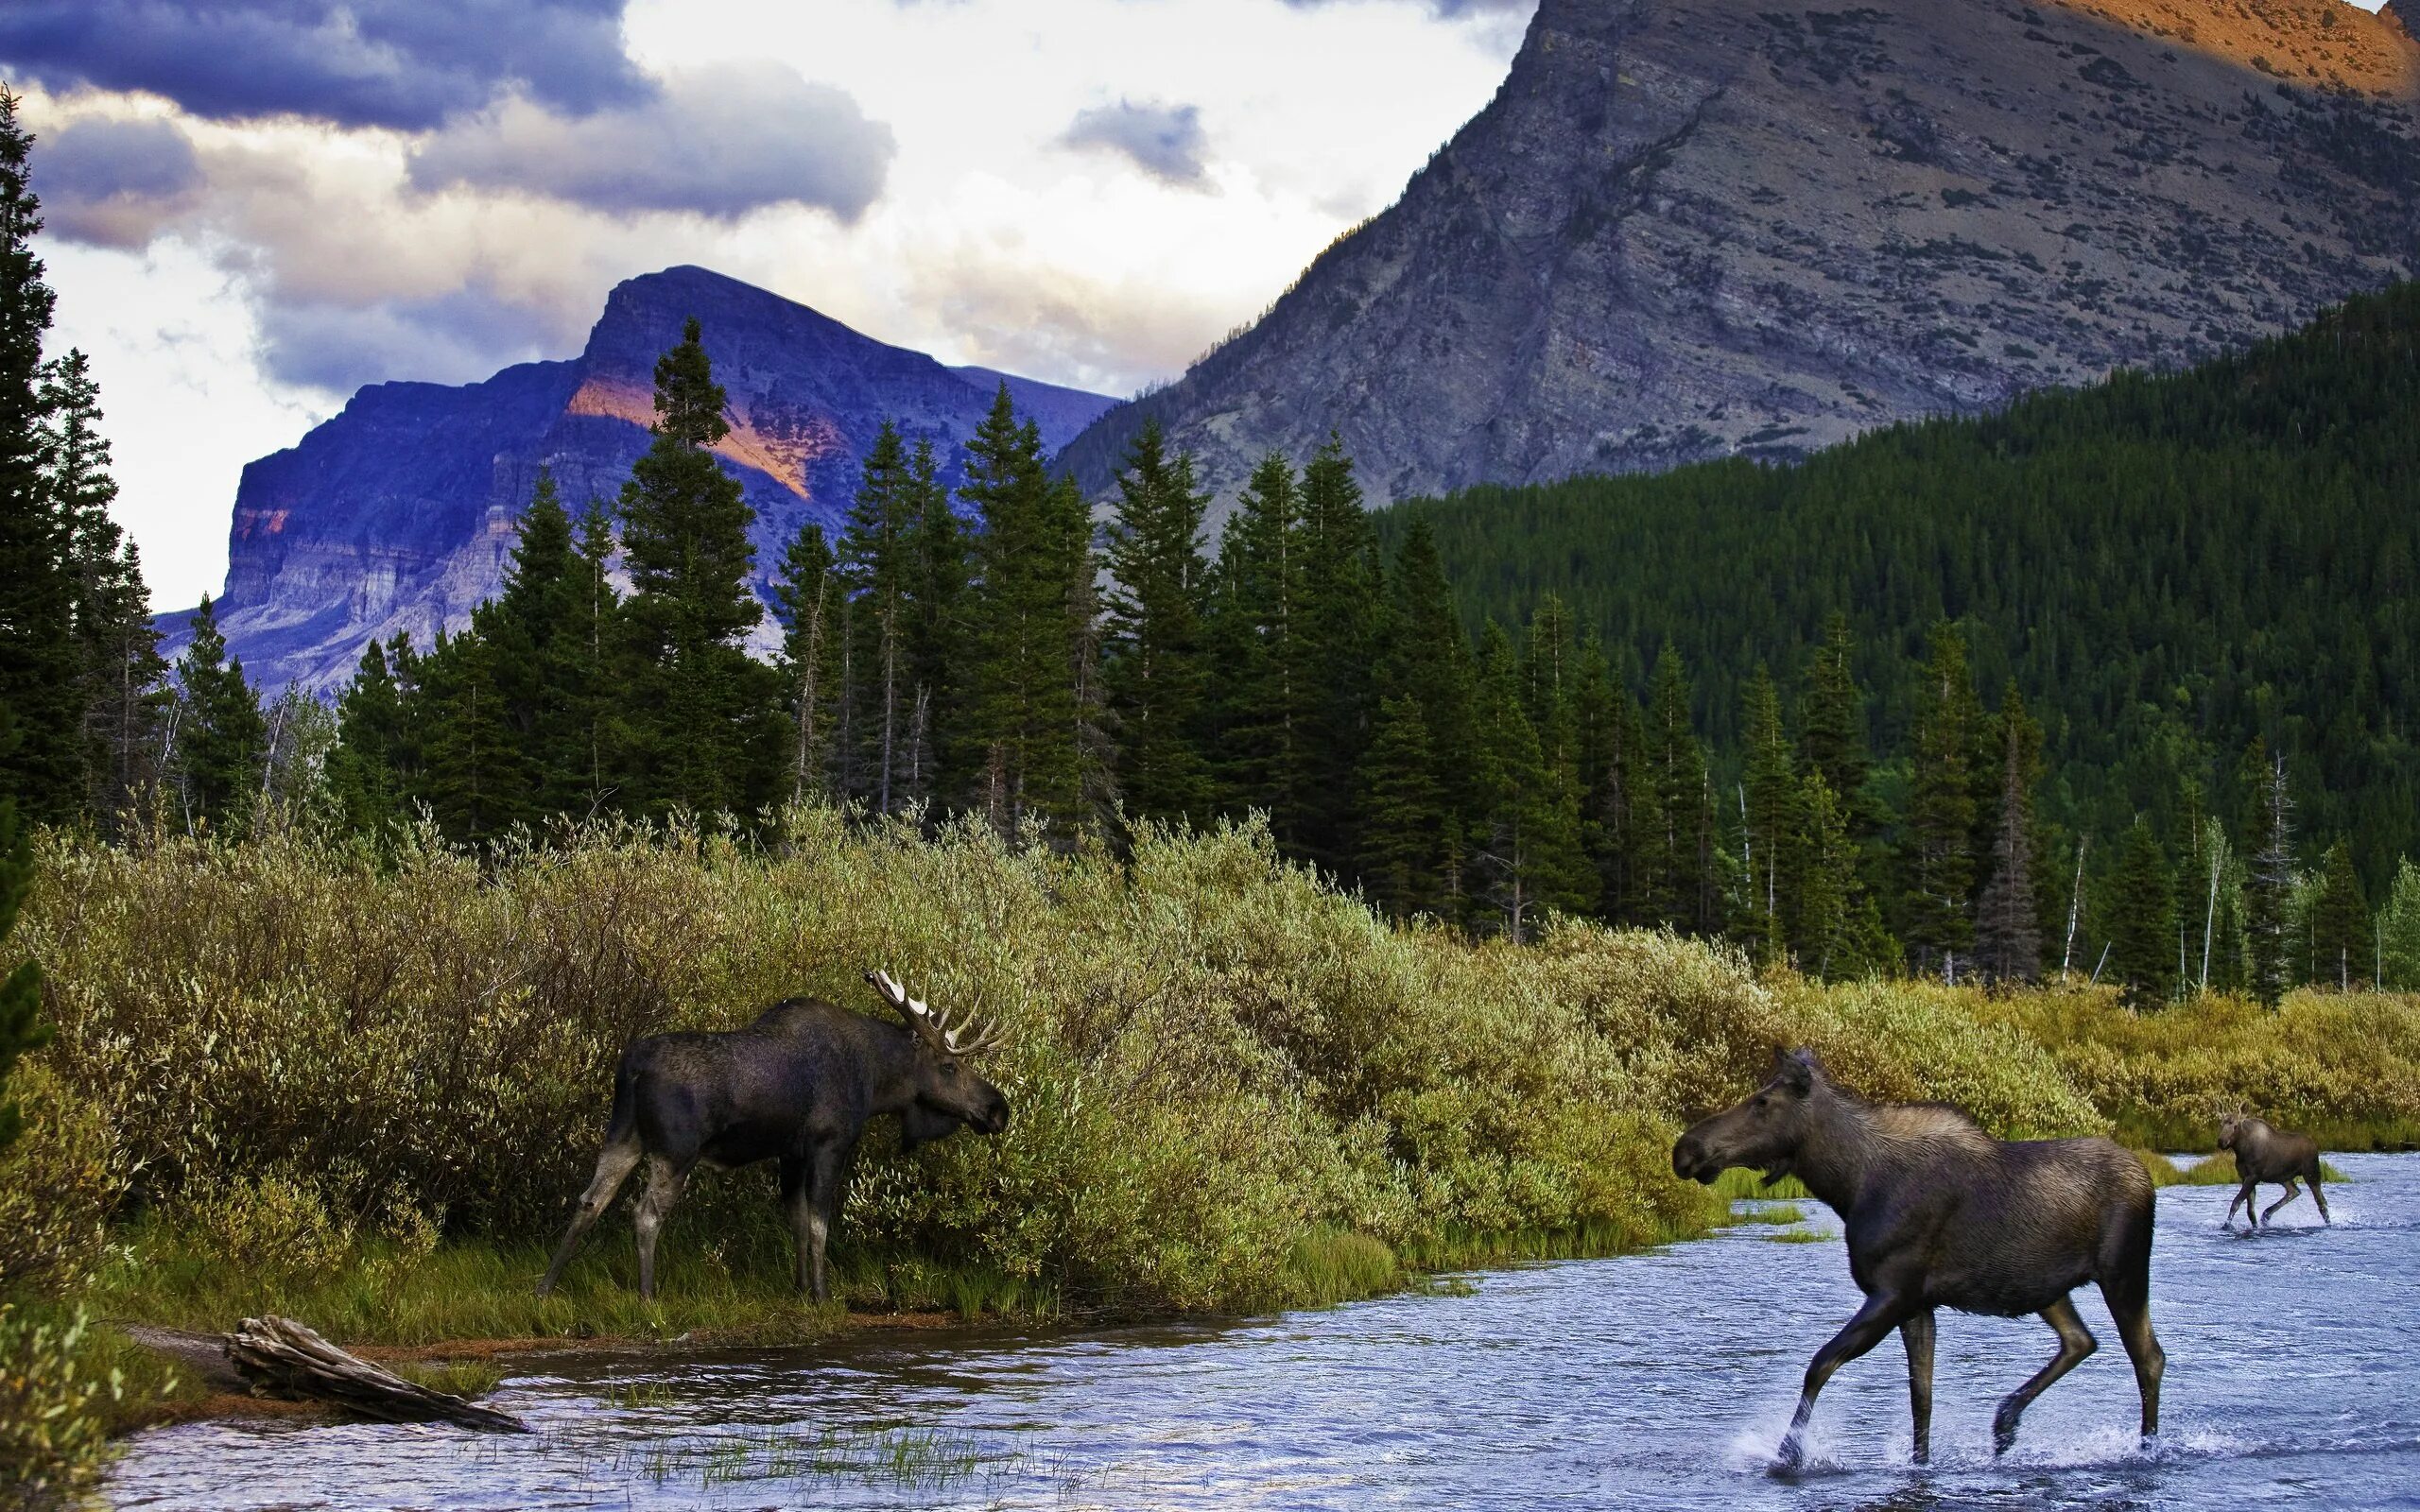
[2264,1153]
[797,1086]
[1940,1214]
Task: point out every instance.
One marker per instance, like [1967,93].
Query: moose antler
[935,1027]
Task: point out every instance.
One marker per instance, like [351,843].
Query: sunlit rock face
[1690,229]
[398,514]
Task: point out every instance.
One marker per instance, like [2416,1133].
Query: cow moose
[1940,1214]
[797,1086]
[2265,1153]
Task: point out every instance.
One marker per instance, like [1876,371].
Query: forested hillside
[2168,567]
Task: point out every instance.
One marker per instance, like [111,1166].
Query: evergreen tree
[1256,594]
[878,571]
[533,633]
[1826,865]
[1676,858]
[587,671]
[2269,851]
[1831,725]
[2340,942]
[1341,607]
[221,739]
[364,774]
[1031,630]
[1604,741]
[1773,796]
[701,711]
[41,673]
[1427,664]
[472,769]
[1158,673]
[937,745]
[1939,858]
[1402,823]
[21,1025]
[2008,936]
[120,690]
[2141,919]
[813,605]
[1531,848]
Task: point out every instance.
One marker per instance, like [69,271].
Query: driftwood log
[277,1356]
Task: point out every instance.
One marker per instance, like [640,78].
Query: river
[1653,1380]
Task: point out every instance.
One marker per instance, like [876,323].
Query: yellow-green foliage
[59,1182]
[53,1406]
[1232,1085]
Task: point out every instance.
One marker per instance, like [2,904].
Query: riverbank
[361,1089]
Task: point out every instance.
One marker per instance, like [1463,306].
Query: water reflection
[1655,1380]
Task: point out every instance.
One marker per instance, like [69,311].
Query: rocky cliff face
[398,514]
[1686,229]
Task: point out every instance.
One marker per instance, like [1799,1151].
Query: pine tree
[1256,594]
[1029,643]
[21,1025]
[1604,735]
[878,573]
[1530,849]
[587,669]
[364,772]
[1939,858]
[702,711]
[2008,934]
[1335,639]
[221,739]
[1828,867]
[2269,851]
[1680,882]
[937,745]
[533,633]
[1428,663]
[1158,672]
[473,772]
[41,667]
[120,693]
[1772,795]
[813,605]
[1401,827]
[2141,919]
[1831,725]
[2341,923]
[2399,932]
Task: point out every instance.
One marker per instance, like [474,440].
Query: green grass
[1799,1236]
[1774,1214]
[467,1379]
[1741,1183]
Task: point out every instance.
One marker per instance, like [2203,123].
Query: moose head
[1763,1132]
[946,1090]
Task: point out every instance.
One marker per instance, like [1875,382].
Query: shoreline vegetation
[360,1086]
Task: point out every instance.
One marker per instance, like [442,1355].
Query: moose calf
[2266,1154]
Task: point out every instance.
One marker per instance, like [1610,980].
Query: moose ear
[1795,1069]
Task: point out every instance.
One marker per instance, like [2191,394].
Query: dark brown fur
[1940,1214]
[2264,1153]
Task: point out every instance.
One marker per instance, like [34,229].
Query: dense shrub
[59,1182]
[53,1443]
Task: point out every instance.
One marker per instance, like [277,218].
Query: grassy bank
[295,1076]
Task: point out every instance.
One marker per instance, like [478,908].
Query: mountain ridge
[1680,231]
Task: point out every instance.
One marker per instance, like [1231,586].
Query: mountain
[397,514]
[1686,229]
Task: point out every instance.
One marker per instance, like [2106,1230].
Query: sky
[253,207]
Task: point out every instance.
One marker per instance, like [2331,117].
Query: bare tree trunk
[2075,910]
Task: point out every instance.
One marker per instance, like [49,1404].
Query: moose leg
[2241,1199]
[2076,1345]
[614,1165]
[2291,1192]
[2133,1313]
[664,1183]
[795,1203]
[2320,1198]
[1877,1318]
[828,1172]
[1916,1333]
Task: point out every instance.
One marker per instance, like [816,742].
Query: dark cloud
[1165,141]
[719,142]
[410,64]
[114,184]
[459,338]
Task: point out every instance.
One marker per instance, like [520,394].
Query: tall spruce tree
[2399,930]
[1341,608]
[2267,892]
[475,777]
[813,603]
[2141,919]
[1605,743]
[2008,931]
[1401,831]
[121,691]
[702,712]
[221,740]
[2341,940]
[1773,798]
[938,561]
[1427,663]
[1832,729]
[534,633]
[1821,934]
[1158,672]
[1939,858]
[588,673]
[877,569]
[1030,631]
[1529,837]
[365,771]
[41,668]
[1255,605]
[1681,882]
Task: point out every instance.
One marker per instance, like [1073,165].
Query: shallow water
[1651,1380]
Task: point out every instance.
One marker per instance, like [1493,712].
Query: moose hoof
[2003,1432]
[1788,1461]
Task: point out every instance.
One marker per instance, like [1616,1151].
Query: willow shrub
[1218,1065]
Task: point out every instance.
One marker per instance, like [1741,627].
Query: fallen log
[281,1356]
